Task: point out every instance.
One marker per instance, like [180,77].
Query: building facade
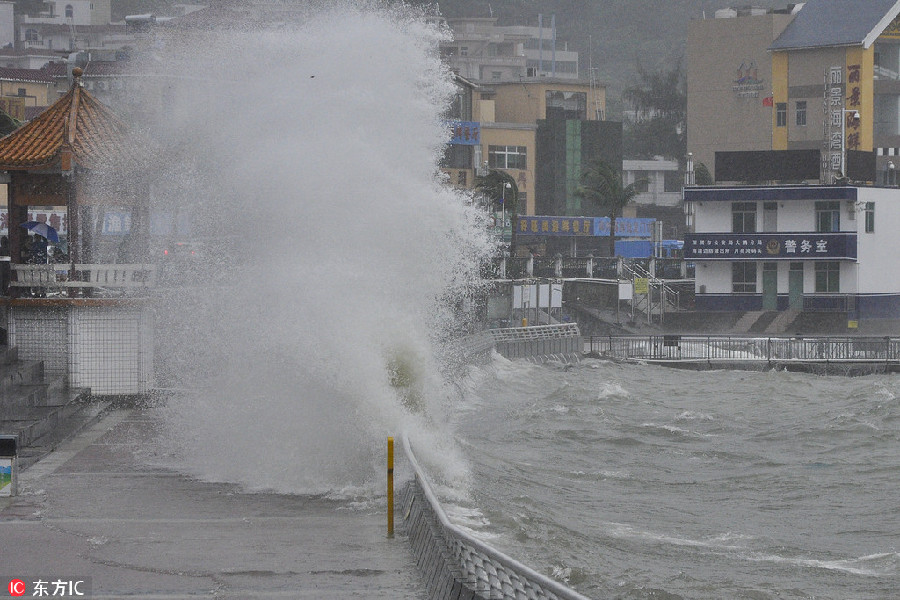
[823,249]
[483,51]
[729,82]
[820,76]
[516,127]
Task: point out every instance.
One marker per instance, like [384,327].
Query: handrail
[824,349]
[493,572]
[534,332]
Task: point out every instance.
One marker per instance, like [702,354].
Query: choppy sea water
[630,481]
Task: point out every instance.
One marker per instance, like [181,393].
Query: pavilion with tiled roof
[78,154]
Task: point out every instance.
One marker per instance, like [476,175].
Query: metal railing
[748,349]
[459,562]
[601,267]
[535,332]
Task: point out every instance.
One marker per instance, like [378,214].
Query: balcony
[770,246]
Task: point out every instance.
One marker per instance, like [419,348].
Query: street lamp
[855,116]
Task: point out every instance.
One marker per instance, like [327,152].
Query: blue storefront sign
[465,133]
[584,226]
[556,226]
[625,227]
[769,246]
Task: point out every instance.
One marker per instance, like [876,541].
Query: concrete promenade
[92,511]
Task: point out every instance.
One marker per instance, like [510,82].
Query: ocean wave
[872,565]
[610,389]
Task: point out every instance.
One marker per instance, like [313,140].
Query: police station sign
[769,246]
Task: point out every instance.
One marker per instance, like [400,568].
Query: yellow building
[34,87]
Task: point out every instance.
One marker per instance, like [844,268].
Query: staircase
[746,321]
[40,413]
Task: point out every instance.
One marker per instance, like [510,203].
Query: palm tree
[503,192]
[602,185]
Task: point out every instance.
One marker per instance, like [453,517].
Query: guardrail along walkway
[883,352]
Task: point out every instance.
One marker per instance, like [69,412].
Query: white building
[658,181]
[829,249]
[485,52]
[67,25]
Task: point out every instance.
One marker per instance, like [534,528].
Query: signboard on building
[465,133]
[769,246]
[584,226]
[55,218]
[556,226]
[625,227]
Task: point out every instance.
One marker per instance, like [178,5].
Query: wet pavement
[92,512]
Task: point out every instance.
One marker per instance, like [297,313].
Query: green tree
[660,105]
[500,187]
[702,176]
[601,184]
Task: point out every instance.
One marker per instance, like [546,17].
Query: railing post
[390,487]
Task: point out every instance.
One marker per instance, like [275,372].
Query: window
[463,50]
[770,216]
[70,12]
[457,156]
[507,157]
[22,92]
[571,105]
[31,35]
[828,216]
[801,113]
[743,277]
[781,114]
[743,217]
[495,75]
[828,277]
[870,217]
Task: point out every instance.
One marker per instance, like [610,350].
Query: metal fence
[562,341]
[457,565]
[738,349]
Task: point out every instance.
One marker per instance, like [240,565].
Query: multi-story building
[483,51]
[69,25]
[539,130]
[820,76]
[829,90]
[729,81]
[797,249]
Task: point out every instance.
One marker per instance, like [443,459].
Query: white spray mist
[315,146]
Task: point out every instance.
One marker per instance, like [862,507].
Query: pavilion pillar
[74,222]
[18,214]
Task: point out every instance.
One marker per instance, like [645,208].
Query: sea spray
[312,148]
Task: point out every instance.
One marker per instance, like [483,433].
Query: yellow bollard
[390,487]
[524,321]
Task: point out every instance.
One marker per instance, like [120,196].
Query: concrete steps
[40,412]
